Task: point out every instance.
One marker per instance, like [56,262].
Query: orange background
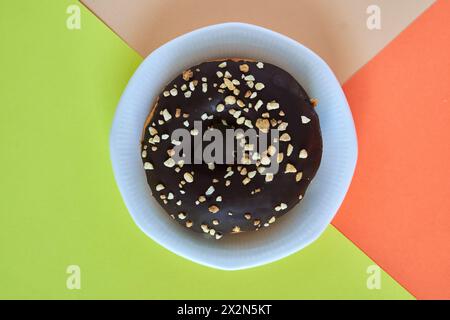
[398,206]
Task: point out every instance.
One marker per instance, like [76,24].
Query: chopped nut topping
[263,124]
[187,75]
[244,68]
[205,228]
[182,216]
[218,236]
[265,160]
[215,222]
[269,177]
[280,207]
[230,100]
[148,166]
[280,157]
[259,86]
[282,126]
[303,154]
[189,223]
[248,123]
[229,84]
[201,199]
[285,137]
[228,174]
[247,216]
[166,115]
[260,65]
[152,131]
[219,74]
[305,120]
[298,176]
[246,181]
[169,163]
[290,148]
[160,187]
[219,199]
[188,177]
[236,229]
[220,107]
[256,222]
[210,191]
[290,168]
[272,105]
[194,132]
[252,174]
[166,93]
[258,105]
[213,209]
[271,150]
[223,64]
[174,92]
[314,102]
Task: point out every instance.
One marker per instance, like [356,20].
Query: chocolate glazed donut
[215,198]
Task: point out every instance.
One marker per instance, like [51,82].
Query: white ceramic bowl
[303,224]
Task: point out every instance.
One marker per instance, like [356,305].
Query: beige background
[335,29]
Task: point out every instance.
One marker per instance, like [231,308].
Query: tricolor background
[59,204]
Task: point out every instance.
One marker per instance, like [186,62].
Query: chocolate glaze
[237,198]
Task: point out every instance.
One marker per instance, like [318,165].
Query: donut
[259,185]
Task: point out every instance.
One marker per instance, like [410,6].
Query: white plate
[304,223]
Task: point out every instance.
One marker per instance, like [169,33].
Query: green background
[59,204]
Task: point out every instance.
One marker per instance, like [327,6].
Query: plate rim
[118,172]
